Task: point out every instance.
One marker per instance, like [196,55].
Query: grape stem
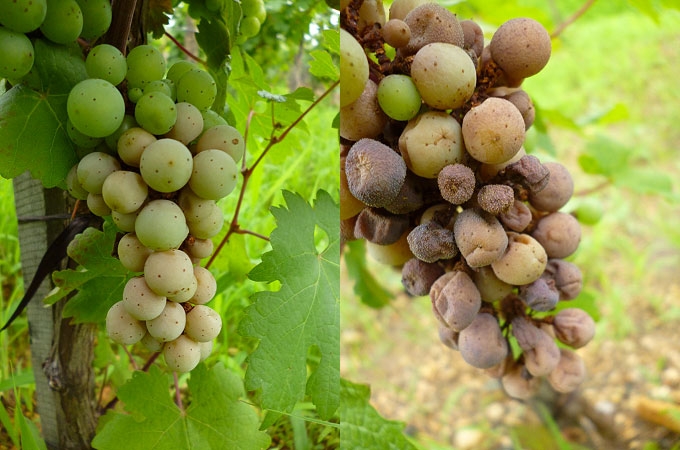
[596,188]
[560,28]
[234,226]
[185,50]
[178,394]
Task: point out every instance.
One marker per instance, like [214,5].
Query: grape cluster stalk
[436,180]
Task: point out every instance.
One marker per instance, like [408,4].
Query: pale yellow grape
[169,324]
[430,142]
[185,294]
[182,354]
[124,191]
[151,343]
[214,174]
[444,75]
[194,207]
[208,227]
[169,272]
[203,323]
[140,301]
[493,131]
[73,185]
[97,205]
[132,143]
[222,137]
[353,68]
[200,248]
[189,124]
[124,222]
[206,349]
[93,169]
[121,327]
[207,286]
[132,253]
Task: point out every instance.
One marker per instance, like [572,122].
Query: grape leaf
[215,418]
[366,287]
[303,313]
[323,65]
[100,279]
[33,123]
[155,16]
[362,427]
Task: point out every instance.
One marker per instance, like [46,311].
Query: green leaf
[100,279]
[644,180]
[303,313]
[33,123]
[155,16]
[215,419]
[646,7]
[30,436]
[370,291]
[323,66]
[362,427]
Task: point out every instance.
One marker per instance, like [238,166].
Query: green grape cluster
[435,179]
[158,173]
[254,14]
[60,21]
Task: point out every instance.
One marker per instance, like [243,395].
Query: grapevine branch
[247,172]
[185,50]
[561,27]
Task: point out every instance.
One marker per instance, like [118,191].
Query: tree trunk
[62,354]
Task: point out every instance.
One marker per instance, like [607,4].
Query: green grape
[73,185]
[161,226]
[132,254]
[166,165]
[168,272]
[194,207]
[178,69]
[588,211]
[156,113]
[254,8]
[208,227]
[97,205]
[93,169]
[211,119]
[198,88]
[353,68]
[182,354]
[214,5]
[63,21]
[95,107]
[16,54]
[23,16]
[398,97]
[169,324]
[112,139]
[214,174]
[124,191]
[189,124]
[151,344]
[134,94]
[106,62]
[249,27]
[121,327]
[158,86]
[97,15]
[132,143]
[80,139]
[124,222]
[145,64]
[225,138]
[206,348]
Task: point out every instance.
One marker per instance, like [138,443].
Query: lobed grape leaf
[302,314]
[362,427]
[366,287]
[215,418]
[324,64]
[156,15]
[100,278]
[33,123]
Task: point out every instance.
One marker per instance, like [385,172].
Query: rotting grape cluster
[155,159]
[435,178]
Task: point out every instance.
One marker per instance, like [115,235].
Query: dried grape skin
[417,276]
[482,343]
[574,327]
[559,233]
[431,23]
[457,303]
[569,373]
[430,242]
[456,183]
[523,262]
[521,47]
[480,237]
[363,118]
[375,172]
[557,192]
[493,132]
[376,226]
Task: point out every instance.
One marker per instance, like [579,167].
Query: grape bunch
[158,172]
[59,21]
[435,179]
